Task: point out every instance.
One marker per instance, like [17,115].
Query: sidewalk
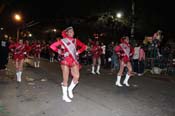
[163,76]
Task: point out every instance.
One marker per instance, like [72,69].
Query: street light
[119,15]
[18,18]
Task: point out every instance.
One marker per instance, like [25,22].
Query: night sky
[52,9]
[152,14]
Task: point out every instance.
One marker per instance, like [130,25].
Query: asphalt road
[95,95]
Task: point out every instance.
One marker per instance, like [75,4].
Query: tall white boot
[35,64]
[98,69]
[38,64]
[20,73]
[126,80]
[118,81]
[70,89]
[17,76]
[93,70]
[65,97]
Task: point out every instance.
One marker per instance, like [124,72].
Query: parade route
[40,94]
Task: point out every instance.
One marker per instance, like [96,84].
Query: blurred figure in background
[96,51]
[19,51]
[4,52]
[124,51]
[141,61]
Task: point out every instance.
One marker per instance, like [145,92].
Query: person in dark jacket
[4,50]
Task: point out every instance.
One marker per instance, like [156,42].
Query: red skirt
[18,57]
[70,62]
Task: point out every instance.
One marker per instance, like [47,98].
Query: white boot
[118,81]
[93,70]
[98,69]
[126,80]
[35,64]
[17,76]
[38,64]
[20,73]
[70,89]
[65,97]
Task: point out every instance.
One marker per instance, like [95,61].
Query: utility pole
[133,20]
[17,34]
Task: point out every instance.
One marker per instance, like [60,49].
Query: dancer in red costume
[28,49]
[19,50]
[124,51]
[96,57]
[36,52]
[67,53]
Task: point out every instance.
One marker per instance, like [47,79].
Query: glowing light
[119,15]
[30,35]
[17,17]
[54,30]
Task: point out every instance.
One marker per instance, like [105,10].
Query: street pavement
[40,94]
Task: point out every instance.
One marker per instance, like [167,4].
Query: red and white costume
[96,51]
[68,56]
[18,50]
[28,49]
[124,51]
[36,49]
[68,49]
